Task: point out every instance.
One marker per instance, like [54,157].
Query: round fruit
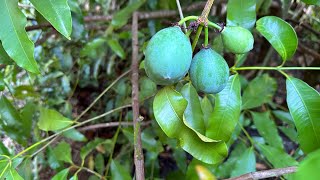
[209,72]
[236,39]
[168,56]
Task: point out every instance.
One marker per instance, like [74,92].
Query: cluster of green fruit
[168,58]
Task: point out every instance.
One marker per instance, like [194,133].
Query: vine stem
[274,68]
[188,18]
[196,38]
[181,15]
[206,36]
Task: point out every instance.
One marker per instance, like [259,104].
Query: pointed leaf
[309,167]
[304,105]
[246,163]
[193,113]
[57,12]
[52,120]
[63,152]
[267,129]
[62,175]
[119,172]
[256,92]
[280,35]
[226,112]
[168,107]
[14,37]
[241,13]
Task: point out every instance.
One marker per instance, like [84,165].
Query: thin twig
[266,173]
[110,124]
[181,15]
[138,154]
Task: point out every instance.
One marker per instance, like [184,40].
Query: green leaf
[246,163]
[116,47]
[92,48]
[75,135]
[63,152]
[304,105]
[2,83]
[309,167]
[121,17]
[278,158]
[193,113]
[312,2]
[11,122]
[267,129]
[13,175]
[74,177]
[57,12]
[62,175]
[14,38]
[169,106]
[99,163]
[3,150]
[51,120]
[4,57]
[290,132]
[90,146]
[259,91]
[280,35]
[204,173]
[27,117]
[207,109]
[283,116]
[226,111]
[147,88]
[241,13]
[119,172]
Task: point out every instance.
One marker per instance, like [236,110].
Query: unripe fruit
[168,56]
[209,72]
[236,39]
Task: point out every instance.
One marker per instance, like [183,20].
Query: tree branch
[110,124]
[266,173]
[138,154]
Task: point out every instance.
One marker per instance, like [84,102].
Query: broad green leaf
[283,116]
[280,35]
[267,129]
[116,47]
[246,163]
[193,113]
[99,163]
[13,175]
[11,122]
[304,105]
[27,114]
[241,13]
[278,158]
[204,173]
[169,106]
[74,135]
[14,38]
[119,172]
[192,173]
[312,2]
[62,175]
[259,91]
[57,12]
[4,57]
[147,88]
[121,17]
[52,159]
[309,167]
[207,109]
[226,112]
[85,150]
[63,152]
[52,120]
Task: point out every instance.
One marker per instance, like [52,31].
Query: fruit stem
[274,68]
[188,18]
[196,38]
[206,36]
[214,25]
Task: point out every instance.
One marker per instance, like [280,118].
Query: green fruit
[209,72]
[236,39]
[168,56]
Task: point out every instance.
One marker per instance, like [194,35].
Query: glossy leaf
[226,112]
[14,38]
[304,105]
[119,172]
[193,113]
[256,92]
[116,47]
[312,2]
[13,175]
[11,122]
[309,167]
[62,175]
[4,57]
[280,35]
[267,129]
[168,107]
[57,13]
[246,163]
[63,152]
[241,13]
[27,114]
[207,109]
[52,120]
